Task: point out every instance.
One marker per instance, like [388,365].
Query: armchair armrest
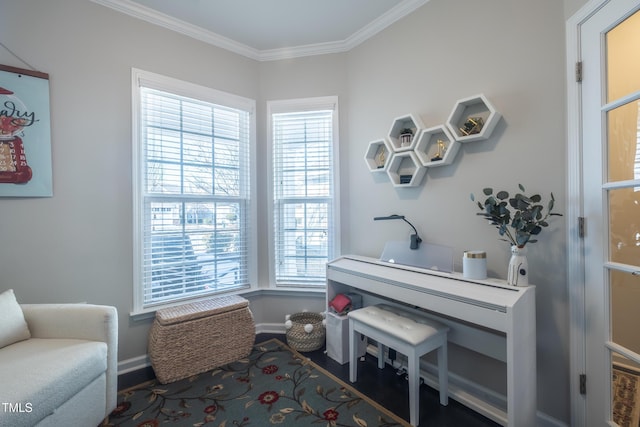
[79,321]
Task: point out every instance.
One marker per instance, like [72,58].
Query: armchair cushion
[51,371]
[13,327]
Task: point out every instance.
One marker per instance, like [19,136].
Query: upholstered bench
[193,338]
[408,333]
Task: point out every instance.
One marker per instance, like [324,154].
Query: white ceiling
[272,29]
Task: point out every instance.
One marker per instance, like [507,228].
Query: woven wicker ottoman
[193,338]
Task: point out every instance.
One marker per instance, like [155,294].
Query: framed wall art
[25,133]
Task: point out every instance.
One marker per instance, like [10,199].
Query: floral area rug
[274,385]
[626,397]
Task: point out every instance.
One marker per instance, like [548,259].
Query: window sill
[150,313]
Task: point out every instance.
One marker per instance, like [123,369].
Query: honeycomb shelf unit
[378,155]
[410,148]
[400,142]
[465,114]
[436,147]
[405,170]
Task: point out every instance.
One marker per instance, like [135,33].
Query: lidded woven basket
[306,331]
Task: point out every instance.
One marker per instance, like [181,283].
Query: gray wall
[422,65]
[77,245]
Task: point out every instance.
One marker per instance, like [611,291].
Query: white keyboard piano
[503,315]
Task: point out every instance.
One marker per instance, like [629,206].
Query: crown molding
[394,14]
[144,13]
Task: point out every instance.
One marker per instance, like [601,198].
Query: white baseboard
[270,328]
[133,364]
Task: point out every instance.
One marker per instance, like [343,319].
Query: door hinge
[579,71]
[581,227]
[583,384]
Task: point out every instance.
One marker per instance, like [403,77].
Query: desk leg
[521,366]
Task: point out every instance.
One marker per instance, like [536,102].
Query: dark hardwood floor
[384,386]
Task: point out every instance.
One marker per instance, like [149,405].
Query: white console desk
[470,308]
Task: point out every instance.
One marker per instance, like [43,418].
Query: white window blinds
[193,196]
[304,193]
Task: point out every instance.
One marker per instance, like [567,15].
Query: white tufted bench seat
[408,333]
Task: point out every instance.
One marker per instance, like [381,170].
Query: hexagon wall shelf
[465,114]
[405,169]
[436,147]
[378,155]
[400,142]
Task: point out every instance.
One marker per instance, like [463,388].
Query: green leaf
[472,197]
[502,195]
[522,204]
[521,188]
[536,212]
[487,191]
[535,198]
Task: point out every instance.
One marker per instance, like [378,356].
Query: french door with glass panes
[610,52]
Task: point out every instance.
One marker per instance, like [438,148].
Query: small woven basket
[301,340]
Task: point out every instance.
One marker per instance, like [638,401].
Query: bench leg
[353,353]
[443,374]
[413,370]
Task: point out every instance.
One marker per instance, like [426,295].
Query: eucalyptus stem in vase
[518,219]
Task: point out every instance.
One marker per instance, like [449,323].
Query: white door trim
[575,250]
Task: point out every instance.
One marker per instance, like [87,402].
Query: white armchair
[66,372]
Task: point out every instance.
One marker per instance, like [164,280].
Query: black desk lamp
[415,239]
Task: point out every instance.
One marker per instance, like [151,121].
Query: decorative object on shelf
[441,148]
[378,155]
[403,132]
[473,119]
[436,147]
[474,265]
[405,179]
[517,227]
[415,239]
[406,135]
[405,170]
[381,156]
[518,273]
[472,126]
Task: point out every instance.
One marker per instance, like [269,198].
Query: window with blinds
[192,192]
[303,139]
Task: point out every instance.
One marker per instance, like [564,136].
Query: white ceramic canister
[474,265]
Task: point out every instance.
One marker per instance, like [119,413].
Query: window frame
[178,87]
[295,106]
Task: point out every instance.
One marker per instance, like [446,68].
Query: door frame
[575,202]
